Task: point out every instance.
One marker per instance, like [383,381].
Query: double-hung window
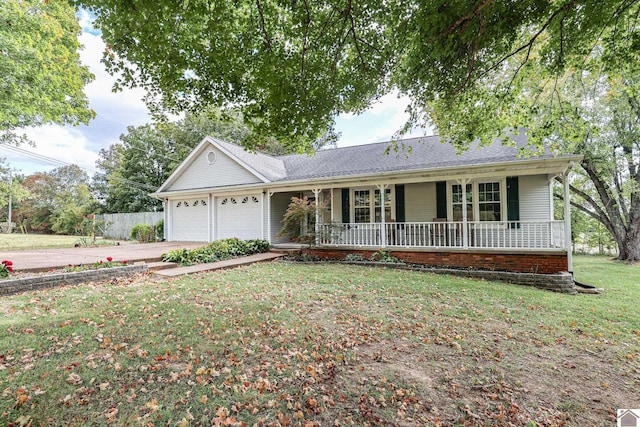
[387,205]
[362,206]
[456,201]
[489,201]
[367,205]
[484,201]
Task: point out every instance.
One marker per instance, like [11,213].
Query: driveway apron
[46,259]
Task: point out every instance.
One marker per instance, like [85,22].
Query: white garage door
[239,216]
[190,220]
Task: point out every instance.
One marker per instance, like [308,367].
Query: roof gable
[227,168]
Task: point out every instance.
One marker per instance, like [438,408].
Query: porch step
[286,251]
[161,265]
[230,263]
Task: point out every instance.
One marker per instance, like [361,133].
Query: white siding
[534,197]
[420,202]
[224,171]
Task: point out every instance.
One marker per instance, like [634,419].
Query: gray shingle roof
[426,153]
[270,167]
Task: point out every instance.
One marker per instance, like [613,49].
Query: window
[362,206]
[489,203]
[367,205]
[211,157]
[387,205]
[456,201]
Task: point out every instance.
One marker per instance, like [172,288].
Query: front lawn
[15,241]
[296,344]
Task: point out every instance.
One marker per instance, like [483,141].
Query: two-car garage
[230,216]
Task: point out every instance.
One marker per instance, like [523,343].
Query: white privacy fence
[451,234]
[119,225]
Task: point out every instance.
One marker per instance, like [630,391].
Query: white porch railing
[479,234]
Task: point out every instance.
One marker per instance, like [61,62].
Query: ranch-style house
[488,207]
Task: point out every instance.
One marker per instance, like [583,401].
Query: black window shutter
[513,201]
[441,199]
[400,217]
[345,206]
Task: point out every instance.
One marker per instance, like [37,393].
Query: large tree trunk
[629,246]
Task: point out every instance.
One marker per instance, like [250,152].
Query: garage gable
[210,167]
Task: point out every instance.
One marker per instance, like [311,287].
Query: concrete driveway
[46,259]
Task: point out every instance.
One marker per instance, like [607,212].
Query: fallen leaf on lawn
[111,415]
[222,412]
[152,405]
[74,379]
[24,421]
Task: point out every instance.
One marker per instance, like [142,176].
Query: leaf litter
[282,344]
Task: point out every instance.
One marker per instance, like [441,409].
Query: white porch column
[167,224]
[269,194]
[383,227]
[465,231]
[316,228]
[211,204]
[262,218]
[567,219]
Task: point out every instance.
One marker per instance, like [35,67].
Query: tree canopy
[292,66]
[42,77]
[59,202]
[600,118]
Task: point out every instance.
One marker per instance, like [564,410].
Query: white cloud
[114,113]
[379,123]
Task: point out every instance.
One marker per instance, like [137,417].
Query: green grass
[43,241]
[295,344]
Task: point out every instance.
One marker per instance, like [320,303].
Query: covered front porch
[496,220]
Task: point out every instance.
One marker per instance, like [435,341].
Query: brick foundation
[538,263]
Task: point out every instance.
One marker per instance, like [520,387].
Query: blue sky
[116,111]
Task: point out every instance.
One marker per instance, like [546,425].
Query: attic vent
[211,157]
